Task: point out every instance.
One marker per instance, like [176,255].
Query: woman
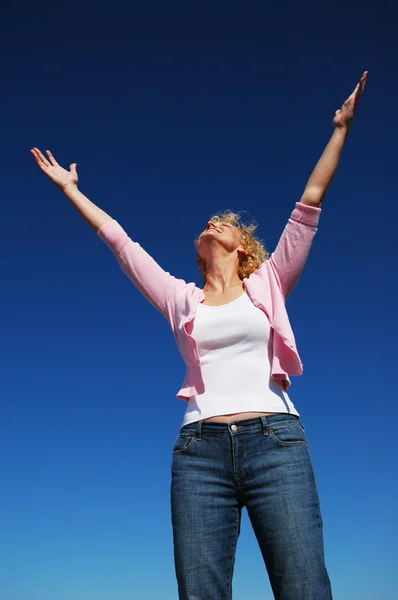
[242,442]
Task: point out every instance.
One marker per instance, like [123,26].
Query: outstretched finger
[360,86]
[359,89]
[362,81]
[42,157]
[51,158]
[354,93]
[37,158]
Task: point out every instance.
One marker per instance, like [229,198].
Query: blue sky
[170,118]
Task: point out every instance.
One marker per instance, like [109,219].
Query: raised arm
[143,271]
[66,182]
[325,169]
[291,253]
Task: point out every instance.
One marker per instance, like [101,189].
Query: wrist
[69,188]
[342,130]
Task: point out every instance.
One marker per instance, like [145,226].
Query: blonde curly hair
[256,252]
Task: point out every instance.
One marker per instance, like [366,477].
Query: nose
[211,224]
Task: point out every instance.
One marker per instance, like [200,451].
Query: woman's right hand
[58,175]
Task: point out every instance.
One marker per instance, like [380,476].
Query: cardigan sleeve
[149,278]
[291,253]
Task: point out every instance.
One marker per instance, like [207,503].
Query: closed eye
[221,224]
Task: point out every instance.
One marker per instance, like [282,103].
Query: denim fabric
[263,464]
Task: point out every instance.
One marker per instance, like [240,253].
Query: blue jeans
[263,464]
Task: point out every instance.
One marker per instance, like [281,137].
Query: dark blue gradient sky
[170,118]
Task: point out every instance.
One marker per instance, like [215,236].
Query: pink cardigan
[268,288]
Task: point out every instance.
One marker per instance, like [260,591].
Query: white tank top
[234,348]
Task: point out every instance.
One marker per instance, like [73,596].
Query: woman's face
[219,234]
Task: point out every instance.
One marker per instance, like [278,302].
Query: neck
[221,276]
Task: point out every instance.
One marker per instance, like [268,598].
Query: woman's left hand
[344,116]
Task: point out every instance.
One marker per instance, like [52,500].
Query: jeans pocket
[183,443]
[288,434]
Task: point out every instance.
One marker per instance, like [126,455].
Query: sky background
[170,118]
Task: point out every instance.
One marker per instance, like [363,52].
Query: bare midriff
[237,416]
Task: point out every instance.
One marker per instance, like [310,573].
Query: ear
[241,252]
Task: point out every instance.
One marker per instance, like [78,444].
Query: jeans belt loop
[198,434]
[264,424]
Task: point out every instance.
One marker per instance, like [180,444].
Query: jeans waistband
[201,427]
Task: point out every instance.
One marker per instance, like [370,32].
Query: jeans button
[234,427]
